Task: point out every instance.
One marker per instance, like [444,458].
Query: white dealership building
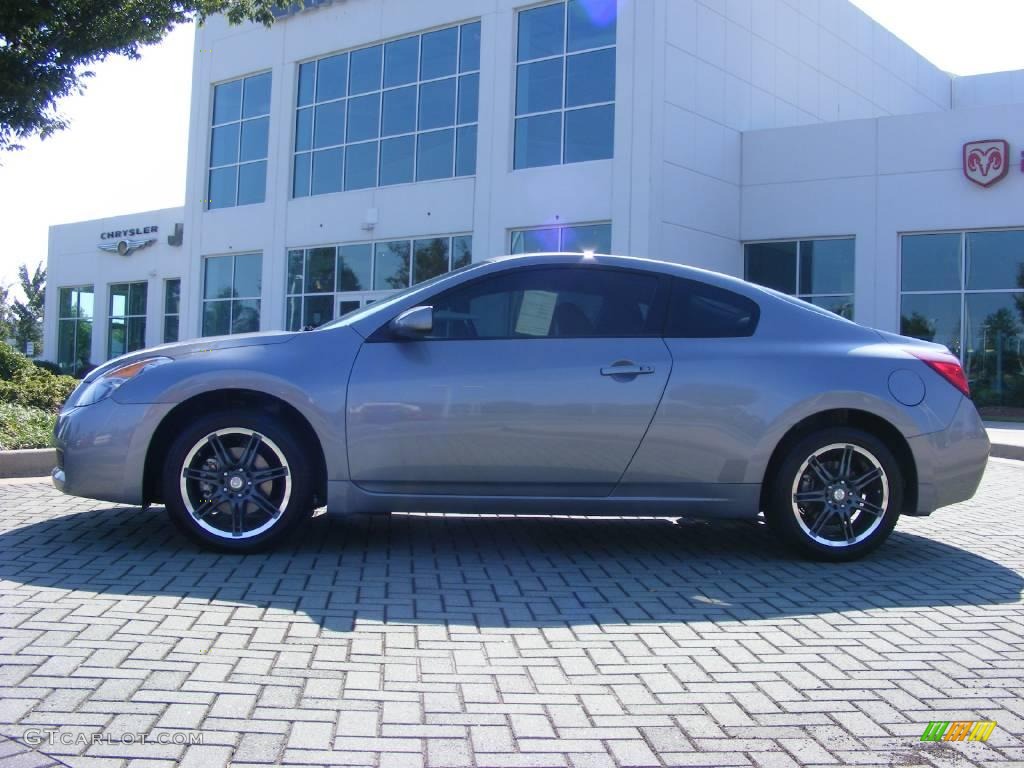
[358,146]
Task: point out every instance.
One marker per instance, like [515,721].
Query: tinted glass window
[555,80]
[240,135]
[550,303]
[932,317]
[772,265]
[995,260]
[931,262]
[400,62]
[360,102]
[826,266]
[701,311]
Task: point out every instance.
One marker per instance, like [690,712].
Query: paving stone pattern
[478,641]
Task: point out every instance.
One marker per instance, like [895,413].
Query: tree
[46,46]
[6,314]
[918,326]
[28,314]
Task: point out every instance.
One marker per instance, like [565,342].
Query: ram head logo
[986,162]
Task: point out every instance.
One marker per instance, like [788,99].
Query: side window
[702,311]
[566,302]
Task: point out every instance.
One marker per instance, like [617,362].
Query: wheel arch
[206,402]
[848,417]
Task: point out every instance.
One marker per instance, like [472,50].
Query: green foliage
[6,313]
[22,427]
[37,389]
[23,383]
[28,314]
[46,365]
[46,47]
[11,361]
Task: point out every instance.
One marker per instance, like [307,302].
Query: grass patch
[23,427]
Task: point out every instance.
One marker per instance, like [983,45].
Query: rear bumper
[951,462]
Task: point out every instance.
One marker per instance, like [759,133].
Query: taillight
[947,366]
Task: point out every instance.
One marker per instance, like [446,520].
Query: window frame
[963,291]
[127,316]
[659,305]
[563,110]
[809,297]
[165,314]
[228,299]
[338,295]
[242,119]
[513,231]
[76,320]
[457,127]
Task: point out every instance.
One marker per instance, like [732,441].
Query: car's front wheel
[837,495]
[237,481]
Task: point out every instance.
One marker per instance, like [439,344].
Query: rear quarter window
[701,311]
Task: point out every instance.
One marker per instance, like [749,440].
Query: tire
[212,483]
[844,510]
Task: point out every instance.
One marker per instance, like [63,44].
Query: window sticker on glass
[535,313]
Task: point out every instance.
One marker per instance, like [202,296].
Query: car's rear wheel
[837,495]
[237,481]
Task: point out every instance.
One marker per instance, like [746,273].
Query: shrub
[33,386]
[46,365]
[37,389]
[12,361]
[22,427]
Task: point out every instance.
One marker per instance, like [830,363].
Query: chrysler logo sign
[986,161]
[127,241]
[127,247]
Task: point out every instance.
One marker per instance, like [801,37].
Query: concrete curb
[1002,451]
[32,462]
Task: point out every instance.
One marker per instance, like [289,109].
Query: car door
[537,381]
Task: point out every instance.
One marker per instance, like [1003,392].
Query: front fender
[310,374]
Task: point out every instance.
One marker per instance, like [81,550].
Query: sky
[126,146]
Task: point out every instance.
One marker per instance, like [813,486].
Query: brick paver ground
[472,641]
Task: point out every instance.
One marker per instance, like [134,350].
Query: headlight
[104,386]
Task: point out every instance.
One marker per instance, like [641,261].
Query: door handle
[626,368]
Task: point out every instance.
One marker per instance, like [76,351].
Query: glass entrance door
[351,301]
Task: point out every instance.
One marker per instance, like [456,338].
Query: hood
[196,346]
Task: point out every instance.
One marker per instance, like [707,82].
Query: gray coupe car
[538,384]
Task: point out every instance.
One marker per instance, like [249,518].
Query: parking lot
[481,641]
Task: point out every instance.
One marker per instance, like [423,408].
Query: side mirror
[413,323]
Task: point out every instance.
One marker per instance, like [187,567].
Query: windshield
[378,306]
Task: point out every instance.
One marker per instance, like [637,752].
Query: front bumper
[102,448]
[950,463]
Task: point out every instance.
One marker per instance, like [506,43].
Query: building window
[74,328]
[394,113]
[172,310]
[126,326]
[817,271]
[238,142]
[966,290]
[326,282]
[565,83]
[232,288]
[576,238]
